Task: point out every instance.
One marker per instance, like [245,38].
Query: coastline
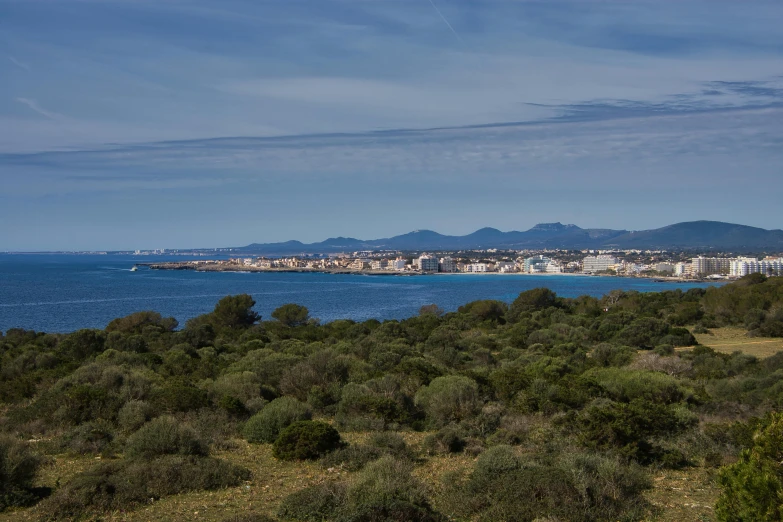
[387,273]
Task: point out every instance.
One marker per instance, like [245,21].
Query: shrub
[305,440]
[449,399]
[386,490]
[133,415]
[446,440]
[18,468]
[164,436]
[752,487]
[314,503]
[576,488]
[90,437]
[124,484]
[351,458]
[248,517]
[266,425]
[357,456]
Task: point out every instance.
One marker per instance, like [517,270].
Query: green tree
[753,487]
[292,314]
[235,311]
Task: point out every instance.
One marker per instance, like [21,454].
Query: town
[628,263]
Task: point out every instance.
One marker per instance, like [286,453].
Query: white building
[748,265]
[396,264]
[379,264]
[476,267]
[427,263]
[703,266]
[505,266]
[535,264]
[554,267]
[447,264]
[593,264]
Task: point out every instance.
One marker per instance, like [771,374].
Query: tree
[753,487]
[292,315]
[531,301]
[235,311]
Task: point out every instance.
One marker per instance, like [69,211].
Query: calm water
[62,293]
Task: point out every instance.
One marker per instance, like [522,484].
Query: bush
[575,488]
[752,487]
[449,399]
[351,458]
[314,503]
[357,456]
[89,438]
[306,440]
[164,436]
[446,440]
[123,485]
[18,468]
[386,491]
[266,425]
[134,414]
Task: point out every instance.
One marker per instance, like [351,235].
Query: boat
[135,268]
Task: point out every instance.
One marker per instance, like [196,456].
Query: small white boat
[135,268]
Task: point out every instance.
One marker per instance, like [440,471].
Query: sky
[135,124]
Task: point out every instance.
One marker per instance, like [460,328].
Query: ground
[678,496]
[728,340]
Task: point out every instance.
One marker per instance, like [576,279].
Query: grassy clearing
[729,340]
[678,495]
[687,495]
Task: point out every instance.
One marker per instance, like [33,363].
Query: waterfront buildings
[747,265]
[704,266]
[599,263]
[447,264]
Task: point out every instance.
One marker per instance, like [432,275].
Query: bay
[63,292]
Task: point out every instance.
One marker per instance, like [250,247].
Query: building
[748,265]
[505,266]
[535,264]
[361,264]
[600,263]
[664,267]
[704,266]
[554,267]
[379,264]
[396,264]
[427,263]
[447,264]
[476,267]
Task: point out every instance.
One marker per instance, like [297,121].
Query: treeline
[566,403]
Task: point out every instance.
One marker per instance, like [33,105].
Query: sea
[66,292]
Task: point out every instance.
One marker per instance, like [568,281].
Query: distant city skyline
[140,124]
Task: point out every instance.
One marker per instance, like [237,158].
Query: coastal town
[627,263]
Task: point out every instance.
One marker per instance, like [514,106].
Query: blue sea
[62,293]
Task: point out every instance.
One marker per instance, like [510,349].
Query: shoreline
[387,273]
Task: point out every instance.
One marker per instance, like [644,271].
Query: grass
[729,340]
[678,495]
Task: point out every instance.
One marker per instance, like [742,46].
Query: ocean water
[62,293]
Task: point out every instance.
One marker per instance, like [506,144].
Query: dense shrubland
[566,405]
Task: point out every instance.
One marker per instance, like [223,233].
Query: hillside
[692,235]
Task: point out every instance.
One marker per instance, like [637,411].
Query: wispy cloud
[19,64]
[34,106]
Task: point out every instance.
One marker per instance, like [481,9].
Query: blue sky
[190,123]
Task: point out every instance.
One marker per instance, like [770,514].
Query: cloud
[19,64]
[33,105]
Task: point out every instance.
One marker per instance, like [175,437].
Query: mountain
[703,234]
[683,236]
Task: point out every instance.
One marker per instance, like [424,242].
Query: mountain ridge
[702,234]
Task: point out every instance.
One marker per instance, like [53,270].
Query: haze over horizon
[174,123]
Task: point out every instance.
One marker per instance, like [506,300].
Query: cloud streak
[33,105]
[19,64]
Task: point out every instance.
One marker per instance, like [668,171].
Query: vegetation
[547,408]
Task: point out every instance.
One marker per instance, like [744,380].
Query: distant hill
[690,235]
